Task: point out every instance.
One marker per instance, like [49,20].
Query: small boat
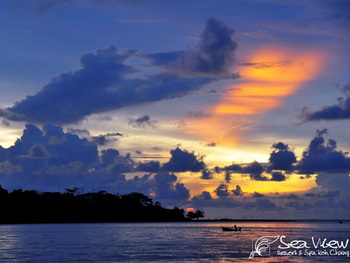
[231,229]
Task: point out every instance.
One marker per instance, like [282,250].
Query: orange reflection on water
[271,75]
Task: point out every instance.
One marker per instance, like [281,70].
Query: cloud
[206,174]
[334,181]
[142,122]
[257,195]
[234,199]
[222,190]
[46,159]
[114,162]
[204,196]
[102,139]
[50,159]
[149,167]
[254,169]
[109,80]
[238,191]
[102,84]
[213,57]
[322,156]
[289,196]
[227,176]
[166,188]
[278,176]
[339,111]
[183,161]
[282,158]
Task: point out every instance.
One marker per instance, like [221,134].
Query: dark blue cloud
[262,204]
[101,140]
[213,56]
[233,168]
[255,170]
[258,195]
[227,176]
[206,174]
[322,156]
[50,159]
[280,146]
[103,83]
[142,121]
[334,181]
[282,158]
[339,111]
[104,139]
[107,80]
[289,196]
[238,191]
[201,200]
[149,167]
[277,176]
[166,188]
[184,161]
[222,190]
[114,162]
[233,199]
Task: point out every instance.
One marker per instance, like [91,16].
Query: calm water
[165,242]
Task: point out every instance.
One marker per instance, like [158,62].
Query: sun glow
[293,183]
[270,75]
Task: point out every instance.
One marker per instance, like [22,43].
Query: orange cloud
[270,75]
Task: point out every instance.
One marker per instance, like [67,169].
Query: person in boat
[235,227]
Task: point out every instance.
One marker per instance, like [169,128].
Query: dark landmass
[31,206]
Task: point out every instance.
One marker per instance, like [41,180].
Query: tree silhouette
[71,206]
[197,214]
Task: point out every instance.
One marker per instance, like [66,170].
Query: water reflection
[157,242]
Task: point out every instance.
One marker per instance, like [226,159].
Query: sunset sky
[239,108]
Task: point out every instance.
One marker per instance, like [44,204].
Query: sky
[239,108]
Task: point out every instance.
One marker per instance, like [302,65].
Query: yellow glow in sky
[270,75]
[292,184]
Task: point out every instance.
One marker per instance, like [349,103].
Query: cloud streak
[107,80]
[339,111]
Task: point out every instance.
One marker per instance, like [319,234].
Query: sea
[177,242]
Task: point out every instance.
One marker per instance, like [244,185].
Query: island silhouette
[31,206]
